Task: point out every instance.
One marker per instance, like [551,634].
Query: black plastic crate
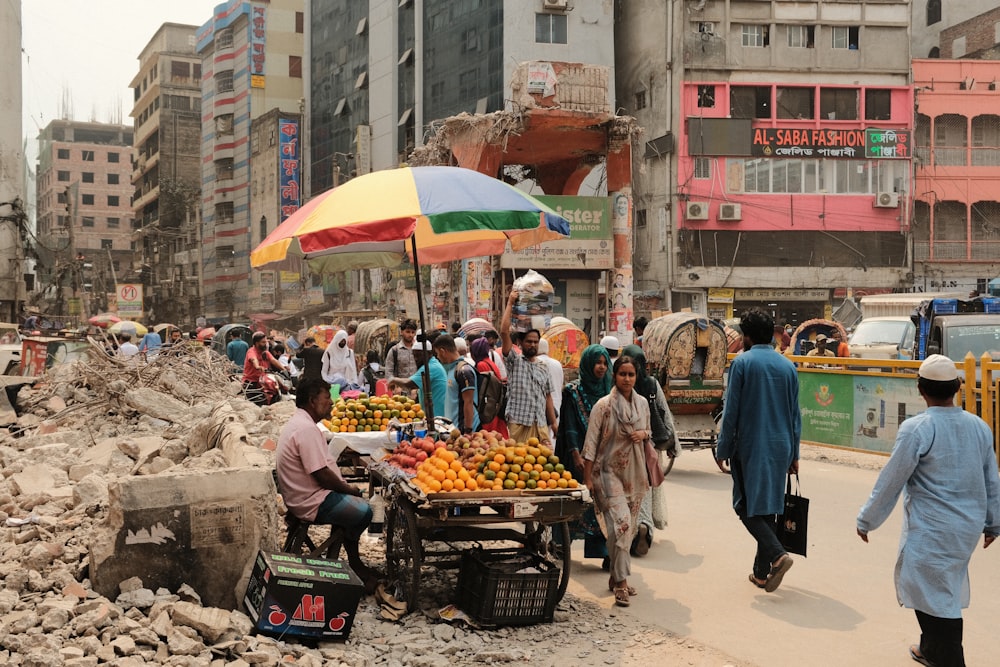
[493,591]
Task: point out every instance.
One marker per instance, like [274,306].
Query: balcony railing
[947,156]
[977,251]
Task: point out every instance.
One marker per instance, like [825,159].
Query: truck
[956,327]
[902,304]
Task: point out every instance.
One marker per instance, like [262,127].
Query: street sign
[129,300]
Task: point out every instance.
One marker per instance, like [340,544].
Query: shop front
[786,306]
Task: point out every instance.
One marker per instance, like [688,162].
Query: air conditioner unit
[887,200]
[730,212]
[555,4]
[696,210]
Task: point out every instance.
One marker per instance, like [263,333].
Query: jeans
[764,529]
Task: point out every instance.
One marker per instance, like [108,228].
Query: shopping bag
[793,525]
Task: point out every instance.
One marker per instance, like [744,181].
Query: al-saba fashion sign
[816,143]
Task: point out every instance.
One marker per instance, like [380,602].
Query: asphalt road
[837,606]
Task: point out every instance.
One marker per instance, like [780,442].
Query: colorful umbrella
[432,214]
[103,320]
[452,213]
[127,326]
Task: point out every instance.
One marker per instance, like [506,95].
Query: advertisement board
[129,300]
[589,245]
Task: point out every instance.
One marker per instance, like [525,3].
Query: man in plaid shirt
[530,411]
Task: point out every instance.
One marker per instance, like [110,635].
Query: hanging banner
[288,148]
[257,47]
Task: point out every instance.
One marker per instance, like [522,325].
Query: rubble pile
[87,423]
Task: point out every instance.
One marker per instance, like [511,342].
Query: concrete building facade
[251,55]
[931,19]
[777,168]
[166,174]
[84,213]
[13,196]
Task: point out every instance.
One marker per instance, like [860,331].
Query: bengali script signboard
[839,143]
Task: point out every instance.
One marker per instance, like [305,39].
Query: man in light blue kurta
[944,465]
[761,426]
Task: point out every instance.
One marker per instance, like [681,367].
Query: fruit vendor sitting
[310,481]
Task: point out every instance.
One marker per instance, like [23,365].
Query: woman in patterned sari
[579,398]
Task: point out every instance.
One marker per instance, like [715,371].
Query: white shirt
[128,349]
[556,372]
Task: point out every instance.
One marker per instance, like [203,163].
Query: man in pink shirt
[310,481]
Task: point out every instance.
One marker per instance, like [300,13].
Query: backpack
[492,395]
[371,377]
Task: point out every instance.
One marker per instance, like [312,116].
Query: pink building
[956,216]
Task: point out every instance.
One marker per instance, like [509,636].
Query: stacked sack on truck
[535,301]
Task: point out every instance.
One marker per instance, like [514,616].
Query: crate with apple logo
[298,596]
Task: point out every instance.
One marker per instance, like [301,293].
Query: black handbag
[661,433]
[793,525]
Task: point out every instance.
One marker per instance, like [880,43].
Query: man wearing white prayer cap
[943,464]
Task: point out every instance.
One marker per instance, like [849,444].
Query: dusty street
[838,604]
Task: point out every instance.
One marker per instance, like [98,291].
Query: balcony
[956,251]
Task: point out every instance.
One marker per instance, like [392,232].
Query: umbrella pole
[429,408]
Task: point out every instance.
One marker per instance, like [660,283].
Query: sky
[89,49]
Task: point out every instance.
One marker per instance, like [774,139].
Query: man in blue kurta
[943,463]
[760,431]
[439,379]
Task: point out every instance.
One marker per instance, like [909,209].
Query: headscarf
[642,379]
[592,387]
[341,359]
[480,349]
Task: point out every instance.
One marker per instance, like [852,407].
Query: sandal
[612,587]
[778,570]
[918,656]
[759,583]
[621,596]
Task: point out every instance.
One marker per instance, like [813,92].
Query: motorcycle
[273,386]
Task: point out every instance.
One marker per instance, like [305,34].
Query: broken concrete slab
[197,527]
[41,479]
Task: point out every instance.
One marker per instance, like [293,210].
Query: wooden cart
[423,530]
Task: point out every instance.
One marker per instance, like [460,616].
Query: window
[114,223]
[113,157]
[224,169]
[795,102]
[62,153]
[87,200]
[180,71]
[300,22]
[224,39]
[750,101]
[801,36]
[112,179]
[640,218]
[61,197]
[550,28]
[640,100]
[838,103]
[878,104]
[225,256]
[224,82]
[107,244]
[114,200]
[706,97]
[295,67]
[437,91]
[88,177]
[224,213]
[88,156]
[224,124]
[87,221]
[63,176]
[845,37]
[263,227]
[702,167]
[755,36]
[933,12]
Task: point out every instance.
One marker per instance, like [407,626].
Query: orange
[459,485]
[572,483]
[540,484]
[434,486]
[472,485]
[520,484]
[543,475]
[562,483]
[567,474]
[447,485]
[494,466]
[451,474]
[457,465]
[464,475]
[438,475]
[499,458]
[532,441]
[520,450]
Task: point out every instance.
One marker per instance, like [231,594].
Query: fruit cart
[426,529]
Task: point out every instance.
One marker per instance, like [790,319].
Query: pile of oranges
[463,466]
[365,414]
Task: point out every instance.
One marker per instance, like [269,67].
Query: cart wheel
[402,550]
[561,549]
